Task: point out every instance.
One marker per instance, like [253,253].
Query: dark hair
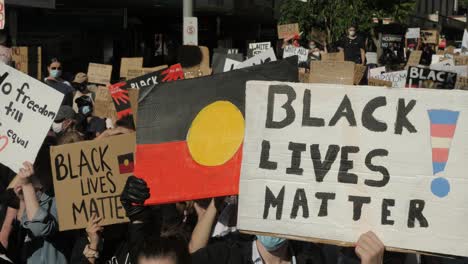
[189,56]
[164,247]
[52,60]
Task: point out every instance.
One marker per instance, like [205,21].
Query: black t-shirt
[352,48]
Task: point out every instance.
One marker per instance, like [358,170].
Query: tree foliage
[335,16]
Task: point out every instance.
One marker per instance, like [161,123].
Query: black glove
[133,197]
[10,199]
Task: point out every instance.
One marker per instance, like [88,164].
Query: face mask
[57,127]
[312,46]
[352,33]
[55,73]
[271,243]
[86,110]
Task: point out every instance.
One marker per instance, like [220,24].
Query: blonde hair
[69,137]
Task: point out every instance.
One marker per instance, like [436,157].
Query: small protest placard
[104,105]
[419,77]
[332,72]
[371,58]
[414,58]
[359,71]
[460,59]
[331,162]
[257,48]
[398,78]
[376,71]
[172,73]
[264,57]
[413,33]
[230,65]
[377,82]
[430,36]
[288,30]
[129,63]
[301,52]
[27,109]
[99,73]
[391,39]
[462,83]
[333,56]
[89,177]
[133,73]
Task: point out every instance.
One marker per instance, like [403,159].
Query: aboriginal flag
[190,132]
[126,163]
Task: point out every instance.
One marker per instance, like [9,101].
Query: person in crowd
[315,52]
[426,56]
[164,250]
[80,84]
[64,120]
[353,46]
[411,44]
[5,50]
[55,81]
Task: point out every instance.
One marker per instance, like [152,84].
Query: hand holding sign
[133,197]
[370,249]
[174,73]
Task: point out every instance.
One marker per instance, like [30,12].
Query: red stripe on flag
[126,169]
[440,154]
[441,130]
[173,176]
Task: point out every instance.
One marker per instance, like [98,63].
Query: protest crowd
[63,200]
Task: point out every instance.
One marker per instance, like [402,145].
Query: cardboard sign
[27,109]
[332,72]
[413,33]
[172,73]
[460,59]
[2,14]
[376,71]
[257,48]
[462,83]
[104,105]
[398,78]
[191,31]
[99,73]
[89,177]
[288,30]
[332,162]
[202,69]
[359,71]
[390,39]
[301,52]
[430,36]
[184,126]
[414,58]
[133,73]
[334,56]
[128,63]
[264,57]
[426,78]
[377,82]
[28,60]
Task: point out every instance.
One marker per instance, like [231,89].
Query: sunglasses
[55,68]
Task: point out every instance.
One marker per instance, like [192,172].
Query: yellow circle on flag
[216,134]
[126,162]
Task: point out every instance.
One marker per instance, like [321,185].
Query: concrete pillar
[188,8]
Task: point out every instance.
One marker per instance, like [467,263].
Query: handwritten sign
[264,57]
[301,52]
[413,33]
[257,48]
[89,177]
[27,109]
[398,78]
[332,72]
[426,78]
[414,58]
[430,36]
[288,30]
[333,56]
[99,73]
[127,63]
[460,59]
[377,82]
[332,162]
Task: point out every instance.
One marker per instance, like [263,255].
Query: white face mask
[57,127]
[312,46]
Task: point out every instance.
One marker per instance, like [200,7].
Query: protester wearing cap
[64,120]
[353,46]
[80,83]
[55,81]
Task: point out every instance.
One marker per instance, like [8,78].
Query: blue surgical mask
[86,110]
[271,243]
[55,73]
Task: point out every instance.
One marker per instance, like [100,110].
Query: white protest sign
[27,109]
[448,65]
[190,31]
[371,57]
[264,57]
[301,52]
[436,58]
[465,39]
[332,162]
[376,72]
[397,78]
[230,65]
[257,48]
[413,33]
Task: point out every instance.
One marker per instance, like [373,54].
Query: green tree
[335,16]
